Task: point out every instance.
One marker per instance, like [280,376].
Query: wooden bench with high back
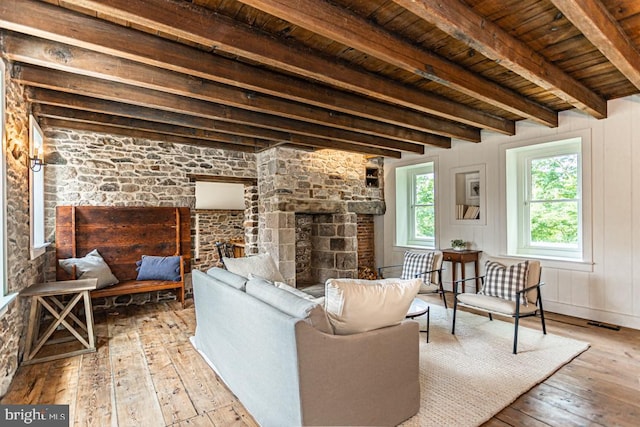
[122,235]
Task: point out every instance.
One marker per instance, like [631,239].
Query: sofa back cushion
[231,279]
[293,305]
[355,306]
[259,265]
[298,292]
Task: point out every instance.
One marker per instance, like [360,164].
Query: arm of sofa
[370,378]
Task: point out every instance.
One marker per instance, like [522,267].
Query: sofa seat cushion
[293,305]
[494,304]
[355,306]
[259,265]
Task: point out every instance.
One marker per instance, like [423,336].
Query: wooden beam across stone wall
[137,133]
[67,114]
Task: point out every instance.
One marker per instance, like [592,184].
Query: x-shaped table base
[48,295]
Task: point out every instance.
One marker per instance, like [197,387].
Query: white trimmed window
[38,244]
[5,297]
[416,205]
[547,195]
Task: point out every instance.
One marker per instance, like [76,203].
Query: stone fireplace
[310,205]
[326,247]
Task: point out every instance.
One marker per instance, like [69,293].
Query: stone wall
[85,168]
[327,182]
[216,225]
[21,270]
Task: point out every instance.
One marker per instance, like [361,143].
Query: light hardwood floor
[146,373]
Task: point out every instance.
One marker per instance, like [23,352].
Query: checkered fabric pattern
[504,282]
[416,263]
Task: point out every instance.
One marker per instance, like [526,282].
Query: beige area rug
[467,378]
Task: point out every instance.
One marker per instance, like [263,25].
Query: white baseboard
[587,313]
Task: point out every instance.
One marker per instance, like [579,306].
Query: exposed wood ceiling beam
[85,103]
[596,23]
[462,23]
[58,56]
[338,24]
[136,133]
[41,96]
[82,85]
[216,68]
[69,114]
[201,26]
[157,136]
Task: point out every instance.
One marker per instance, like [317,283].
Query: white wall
[609,291]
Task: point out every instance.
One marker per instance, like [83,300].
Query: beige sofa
[287,372]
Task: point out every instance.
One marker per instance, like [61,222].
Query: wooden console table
[48,295]
[462,257]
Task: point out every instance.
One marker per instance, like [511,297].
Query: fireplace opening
[333,246]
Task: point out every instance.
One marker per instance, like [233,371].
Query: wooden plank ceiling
[380,77]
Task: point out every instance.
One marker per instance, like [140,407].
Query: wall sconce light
[36,159]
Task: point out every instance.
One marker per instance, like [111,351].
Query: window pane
[425,222]
[554,178]
[554,223]
[424,189]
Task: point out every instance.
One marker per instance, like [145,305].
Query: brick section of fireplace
[366,247]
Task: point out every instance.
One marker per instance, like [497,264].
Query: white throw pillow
[355,306]
[90,266]
[259,265]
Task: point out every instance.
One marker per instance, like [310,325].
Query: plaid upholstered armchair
[512,291]
[423,264]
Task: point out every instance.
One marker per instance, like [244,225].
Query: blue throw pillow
[159,268]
